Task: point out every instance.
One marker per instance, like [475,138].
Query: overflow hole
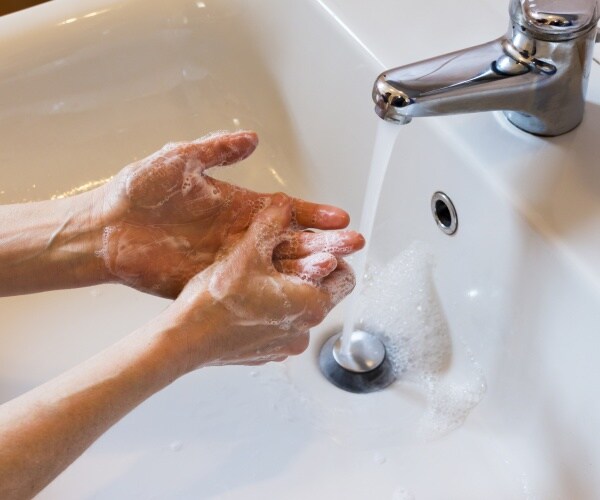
[444,213]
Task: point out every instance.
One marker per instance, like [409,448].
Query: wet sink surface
[85,90]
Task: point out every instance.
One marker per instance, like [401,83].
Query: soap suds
[401,306]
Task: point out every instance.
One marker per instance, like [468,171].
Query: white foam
[402,307]
[333,242]
[449,405]
[311,268]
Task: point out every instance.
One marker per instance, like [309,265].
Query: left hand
[165,220]
[243,310]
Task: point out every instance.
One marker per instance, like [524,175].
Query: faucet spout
[539,81]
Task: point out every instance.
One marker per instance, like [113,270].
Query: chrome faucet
[537,73]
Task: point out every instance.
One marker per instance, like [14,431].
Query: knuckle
[313,316]
[299,344]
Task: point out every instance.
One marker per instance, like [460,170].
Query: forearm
[50,245]
[45,430]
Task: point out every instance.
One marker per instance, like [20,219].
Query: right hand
[165,220]
[242,310]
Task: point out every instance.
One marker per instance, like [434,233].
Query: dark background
[7,6]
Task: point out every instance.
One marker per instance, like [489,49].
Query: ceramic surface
[87,87]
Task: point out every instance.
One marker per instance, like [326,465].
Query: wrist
[76,245]
[50,245]
[187,331]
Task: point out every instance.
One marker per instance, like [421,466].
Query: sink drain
[364,368]
[444,213]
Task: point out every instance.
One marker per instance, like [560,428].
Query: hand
[165,220]
[242,310]
[239,310]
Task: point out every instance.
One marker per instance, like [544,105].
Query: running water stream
[382,151]
[399,304]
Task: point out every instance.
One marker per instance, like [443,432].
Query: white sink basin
[87,87]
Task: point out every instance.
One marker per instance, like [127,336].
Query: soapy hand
[242,310]
[165,220]
[252,284]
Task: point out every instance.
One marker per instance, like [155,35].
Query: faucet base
[532,125]
[359,382]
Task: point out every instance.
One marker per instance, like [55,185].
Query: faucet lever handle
[555,20]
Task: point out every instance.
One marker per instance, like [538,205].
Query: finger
[339,283]
[299,344]
[177,168]
[303,244]
[312,268]
[319,216]
[268,227]
[220,148]
[154,180]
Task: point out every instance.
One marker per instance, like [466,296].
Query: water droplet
[402,494]
[176,446]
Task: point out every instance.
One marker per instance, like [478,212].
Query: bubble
[212,135]
[192,175]
[186,187]
[310,269]
[448,406]
[103,252]
[340,283]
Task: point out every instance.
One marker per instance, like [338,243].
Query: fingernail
[361,241]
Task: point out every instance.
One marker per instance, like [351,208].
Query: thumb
[178,167]
[267,229]
[221,148]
